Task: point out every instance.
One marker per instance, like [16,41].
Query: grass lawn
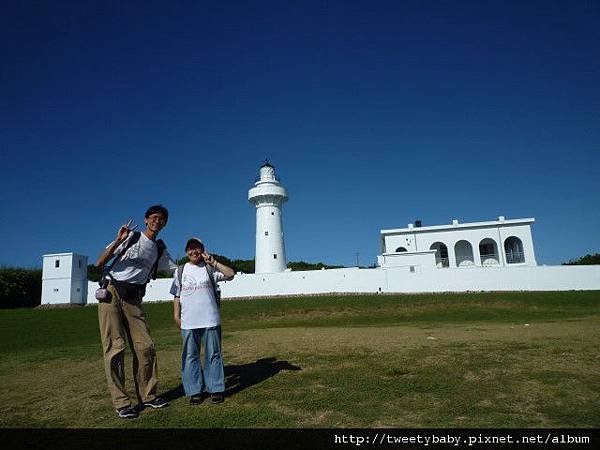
[461,360]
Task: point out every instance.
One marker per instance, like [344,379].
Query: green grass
[464,360]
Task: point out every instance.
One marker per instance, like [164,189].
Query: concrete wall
[518,278]
[422,259]
[396,279]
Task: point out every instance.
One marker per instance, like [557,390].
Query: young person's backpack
[210,272]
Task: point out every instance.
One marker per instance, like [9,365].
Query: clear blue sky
[374,114]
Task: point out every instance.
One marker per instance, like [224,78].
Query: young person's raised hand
[209,259]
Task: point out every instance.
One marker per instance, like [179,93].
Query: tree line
[586,260]
[239,265]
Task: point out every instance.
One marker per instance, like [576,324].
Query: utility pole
[357,264]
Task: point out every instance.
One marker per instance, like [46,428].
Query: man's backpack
[160,247]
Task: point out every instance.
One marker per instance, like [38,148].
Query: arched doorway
[464,254]
[441,254]
[513,247]
[400,250]
[488,250]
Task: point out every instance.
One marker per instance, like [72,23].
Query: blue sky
[374,114]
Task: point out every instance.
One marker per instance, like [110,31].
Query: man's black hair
[158,209]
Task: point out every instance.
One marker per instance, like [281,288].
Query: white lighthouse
[268,196]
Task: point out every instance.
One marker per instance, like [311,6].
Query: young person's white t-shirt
[135,265]
[199,307]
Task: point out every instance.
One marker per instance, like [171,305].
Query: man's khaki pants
[120,321]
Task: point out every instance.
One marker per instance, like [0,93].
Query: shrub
[20,288]
[584,260]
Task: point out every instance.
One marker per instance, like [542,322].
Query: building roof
[62,254]
[454,226]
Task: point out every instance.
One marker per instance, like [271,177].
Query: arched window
[441,254]
[513,247]
[400,250]
[488,250]
[464,254]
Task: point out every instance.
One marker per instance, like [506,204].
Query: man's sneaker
[156,403]
[217,398]
[127,412]
[196,399]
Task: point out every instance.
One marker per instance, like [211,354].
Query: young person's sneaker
[217,398]
[196,399]
[127,412]
[156,403]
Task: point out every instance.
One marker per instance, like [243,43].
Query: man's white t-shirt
[135,265]
[199,307]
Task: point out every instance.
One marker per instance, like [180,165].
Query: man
[138,256]
[196,313]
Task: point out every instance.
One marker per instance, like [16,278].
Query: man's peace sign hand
[124,230]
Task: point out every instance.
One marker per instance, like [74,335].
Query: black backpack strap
[180,275]
[210,272]
[160,249]
[132,240]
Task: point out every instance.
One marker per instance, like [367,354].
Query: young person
[196,313]
[138,256]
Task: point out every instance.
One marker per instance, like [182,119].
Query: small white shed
[64,279]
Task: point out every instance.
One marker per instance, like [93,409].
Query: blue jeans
[211,377]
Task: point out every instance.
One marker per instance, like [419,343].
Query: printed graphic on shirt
[190,284]
[199,308]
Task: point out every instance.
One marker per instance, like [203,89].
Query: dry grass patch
[395,372]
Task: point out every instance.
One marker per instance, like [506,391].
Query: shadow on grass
[243,376]
[240,377]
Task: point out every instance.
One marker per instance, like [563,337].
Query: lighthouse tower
[268,196]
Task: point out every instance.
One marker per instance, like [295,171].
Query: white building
[495,255]
[268,195]
[478,244]
[64,279]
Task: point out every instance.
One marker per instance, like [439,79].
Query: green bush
[586,260]
[93,272]
[20,288]
[298,266]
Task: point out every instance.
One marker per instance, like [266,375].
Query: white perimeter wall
[397,279]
